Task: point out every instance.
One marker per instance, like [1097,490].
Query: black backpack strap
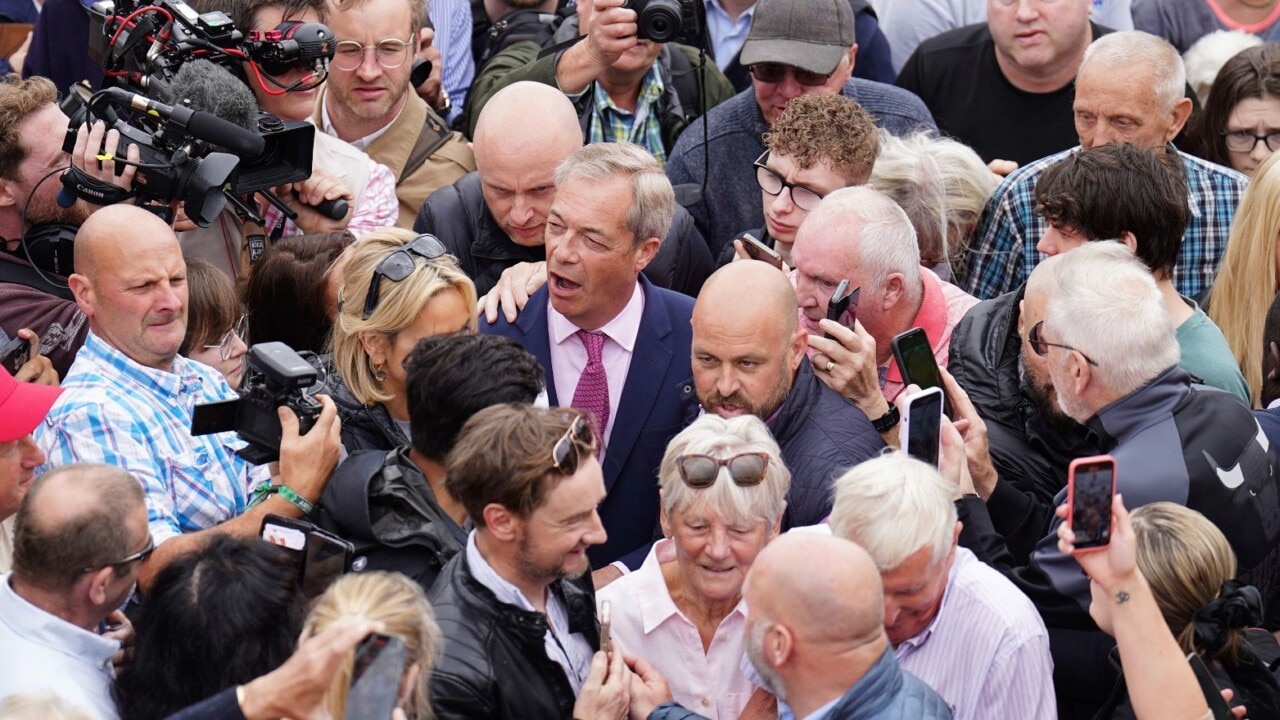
[434,134]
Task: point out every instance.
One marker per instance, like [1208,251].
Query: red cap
[23,406]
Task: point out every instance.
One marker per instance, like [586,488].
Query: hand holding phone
[759,251]
[1091,485]
[15,354]
[375,678]
[921,433]
[843,301]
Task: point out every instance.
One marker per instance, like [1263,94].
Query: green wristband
[292,496]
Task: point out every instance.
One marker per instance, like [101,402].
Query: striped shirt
[452,21]
[986,651]
[1004,247]
[375,209]
[118,412]
[610,123]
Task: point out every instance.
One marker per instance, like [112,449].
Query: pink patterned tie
[592,393]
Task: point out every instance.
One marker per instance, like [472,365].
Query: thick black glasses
[142,555]
[701,471]
[1036,339]
[771,182]
[1243,141]
[398,265]
[565,455]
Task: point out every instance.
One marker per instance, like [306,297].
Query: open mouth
[563,284]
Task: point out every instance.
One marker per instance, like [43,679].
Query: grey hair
[721,438]
[893,506]
[888,241]
[1124,49]
[653,202]
[942,185]
[1105,304]
[1206,57]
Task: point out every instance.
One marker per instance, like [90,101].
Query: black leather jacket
[495,662]
[364,427]
[458,215]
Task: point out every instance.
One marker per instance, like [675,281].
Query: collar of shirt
[932,316]
[922,637]
[43,628]
[651,87]
[182,380]
[622,329]
[484,574]
[359,143]
[652,594]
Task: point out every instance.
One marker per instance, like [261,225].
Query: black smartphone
[1091,483]
[922,426]
[759,251]
[15,354]
[840,301]
[1212,693]
[375,678]
[917,364]
[328,557]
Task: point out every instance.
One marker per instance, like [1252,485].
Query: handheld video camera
[277,376]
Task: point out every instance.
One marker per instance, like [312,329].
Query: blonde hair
[1246,282]
[1186,559]
[399,304]
[396,601]
[40,706]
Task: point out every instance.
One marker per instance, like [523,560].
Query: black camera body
[277,376]
[665,21]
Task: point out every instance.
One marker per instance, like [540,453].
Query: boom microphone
[205,87]
[199,124]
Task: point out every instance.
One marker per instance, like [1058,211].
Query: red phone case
[1071,493]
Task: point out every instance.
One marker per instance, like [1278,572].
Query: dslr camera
[277,376]
[664,21]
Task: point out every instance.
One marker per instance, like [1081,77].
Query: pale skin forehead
[114,234]
[746,284]
[527,117]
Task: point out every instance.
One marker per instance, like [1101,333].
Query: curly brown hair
[827,128]
[18,99]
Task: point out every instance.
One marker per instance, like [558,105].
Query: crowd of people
[538,399]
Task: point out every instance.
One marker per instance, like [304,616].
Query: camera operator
[128,399]
[624,88]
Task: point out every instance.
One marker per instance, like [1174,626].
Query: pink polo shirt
[647,623]
[943,306]
[569,355]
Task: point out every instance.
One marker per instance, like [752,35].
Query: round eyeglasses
[391,53]
[239,331]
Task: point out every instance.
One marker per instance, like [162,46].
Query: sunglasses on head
[701,471]
[770,72]
[400,264]
[566,454]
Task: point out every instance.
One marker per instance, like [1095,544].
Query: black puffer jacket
[381,503]
[457,214]
[495,663]
[821,435]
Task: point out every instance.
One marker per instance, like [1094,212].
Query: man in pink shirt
[860,235]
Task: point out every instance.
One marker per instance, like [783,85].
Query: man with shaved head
[824,651]
[128,398]
[81,537]
[749,359]
[494,218]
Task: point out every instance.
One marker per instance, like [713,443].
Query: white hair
[887,244]
[893,506]
[942,185]
[1105,304]
[1206,57]
[721,438]
[1131,47]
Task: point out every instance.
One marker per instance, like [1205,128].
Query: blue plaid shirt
[1004,248]
[610,123]
[115,411]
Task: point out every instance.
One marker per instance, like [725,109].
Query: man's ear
[895,289]
[1129,241]
[799,343]
[646,252]
[82,289]
[1181,112]
[10,195]
[501,523]
[780,645]
[1022,318]
[1080,372]
[99,581]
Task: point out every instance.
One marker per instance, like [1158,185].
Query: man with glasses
[1005,87]
[749,359]
[1095,319]
[129,396]
[82,538]
[795,47]
[369,102]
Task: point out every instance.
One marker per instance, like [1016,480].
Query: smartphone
[1091,482]
[15,354]
[327,558]
[606,628]
[375,678]
[922,426]
[1212,693]
[843,302]
[916,363]
[759,251]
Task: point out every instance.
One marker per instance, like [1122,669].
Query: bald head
[114,232]
[842,602]
[747,292]
[527,118]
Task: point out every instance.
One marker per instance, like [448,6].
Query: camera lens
[660,21]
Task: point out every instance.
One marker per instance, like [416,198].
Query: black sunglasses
[565,455]
[701,471]
[398,265]
[142,555]
[1035,338]
[770,72]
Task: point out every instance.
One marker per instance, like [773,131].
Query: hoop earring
[379,373]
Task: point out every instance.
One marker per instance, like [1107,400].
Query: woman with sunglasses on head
[216,322]
[397,288]
[723,492]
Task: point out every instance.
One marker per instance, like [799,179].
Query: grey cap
[809,34]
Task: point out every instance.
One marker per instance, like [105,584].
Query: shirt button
[706,702]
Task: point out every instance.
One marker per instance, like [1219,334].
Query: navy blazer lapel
[649,363]
[532,322]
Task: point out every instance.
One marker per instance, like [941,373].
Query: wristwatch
[887,421]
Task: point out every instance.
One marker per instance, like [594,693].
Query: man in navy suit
[611,342]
